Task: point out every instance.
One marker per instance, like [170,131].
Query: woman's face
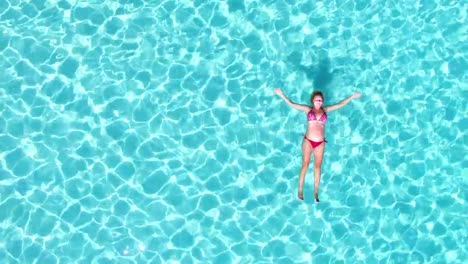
[318,101]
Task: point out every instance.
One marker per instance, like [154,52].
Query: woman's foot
[300,196]
[316,198]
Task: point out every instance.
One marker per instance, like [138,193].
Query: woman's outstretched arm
[300,107]
[342,103]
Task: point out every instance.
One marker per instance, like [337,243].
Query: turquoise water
[148,131]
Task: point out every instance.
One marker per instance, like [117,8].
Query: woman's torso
[316,120]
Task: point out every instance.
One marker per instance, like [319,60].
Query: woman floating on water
[314,139]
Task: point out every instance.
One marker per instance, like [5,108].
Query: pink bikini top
[311,117]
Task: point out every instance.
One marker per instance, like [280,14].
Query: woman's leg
[306,154]
[318,157]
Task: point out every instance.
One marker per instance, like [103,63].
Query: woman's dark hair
[316,93]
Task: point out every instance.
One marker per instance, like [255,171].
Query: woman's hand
[278,92]
[356,95]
